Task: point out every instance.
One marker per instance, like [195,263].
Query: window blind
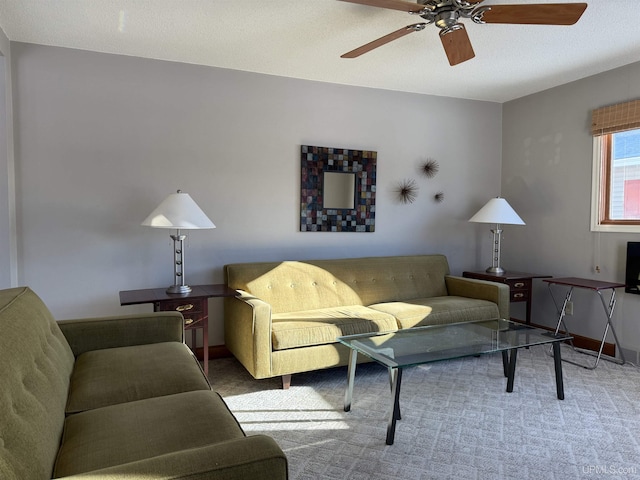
[615,118]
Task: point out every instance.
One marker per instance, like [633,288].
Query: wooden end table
[194,306]
[520,285]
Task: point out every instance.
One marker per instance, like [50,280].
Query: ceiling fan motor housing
[445,14]
[447,19]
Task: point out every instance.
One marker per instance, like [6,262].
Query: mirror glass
[339,190]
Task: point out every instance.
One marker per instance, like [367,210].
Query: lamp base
[496,270]
[181,289]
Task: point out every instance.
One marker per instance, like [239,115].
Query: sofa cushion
[133,431]
[36,364]
[325,325]
[125,374]
[386,279]
[333,283]
[283,284]
[438,310]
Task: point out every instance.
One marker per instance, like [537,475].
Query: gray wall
[8,257]
[102,139]
[547,161]
[5,231]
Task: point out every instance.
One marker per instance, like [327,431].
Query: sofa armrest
[86,334]
[247,332]
[497,293]
[256,457]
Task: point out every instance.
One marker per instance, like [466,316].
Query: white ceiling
[305,38]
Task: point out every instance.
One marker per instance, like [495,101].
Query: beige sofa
[288,315]
[111,398]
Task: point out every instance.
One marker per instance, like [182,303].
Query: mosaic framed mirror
[337,189]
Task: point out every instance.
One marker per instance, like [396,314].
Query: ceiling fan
[446,15]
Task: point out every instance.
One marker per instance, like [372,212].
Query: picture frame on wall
[337,189]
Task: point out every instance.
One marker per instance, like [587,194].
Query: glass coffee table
[420,345]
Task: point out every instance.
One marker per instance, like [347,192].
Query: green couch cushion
[134,431]
[125,374]
[322,326]
[333,283]
[420,312]
[283,284]
[36,364]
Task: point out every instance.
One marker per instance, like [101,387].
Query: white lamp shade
[497,210]
[178,211]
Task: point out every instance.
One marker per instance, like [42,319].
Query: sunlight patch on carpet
[258,412]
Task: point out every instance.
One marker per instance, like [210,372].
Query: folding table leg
[561,311]
[608,310]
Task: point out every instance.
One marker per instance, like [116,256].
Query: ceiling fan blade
[401,5]
[457,45]
[384,40]
[540,14]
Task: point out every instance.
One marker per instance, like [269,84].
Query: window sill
[616,228]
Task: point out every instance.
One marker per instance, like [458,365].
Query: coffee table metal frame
[400,349]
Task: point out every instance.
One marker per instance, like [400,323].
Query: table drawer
[192,311]
[519,289]
[519,295]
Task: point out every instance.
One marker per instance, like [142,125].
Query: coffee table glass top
[418,345]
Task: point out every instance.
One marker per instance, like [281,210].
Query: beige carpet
[458,421]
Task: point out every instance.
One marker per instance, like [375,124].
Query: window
[620,193]
[616,168]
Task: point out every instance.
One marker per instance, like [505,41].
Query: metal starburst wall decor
[407,191]
[430,167]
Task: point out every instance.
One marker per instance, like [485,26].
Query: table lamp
[498,211]
[178,211]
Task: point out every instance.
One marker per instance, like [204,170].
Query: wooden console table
[597,286]
[520,285]
[194,306]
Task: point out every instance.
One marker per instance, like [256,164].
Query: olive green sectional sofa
[110,398]
[288,315]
